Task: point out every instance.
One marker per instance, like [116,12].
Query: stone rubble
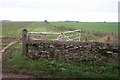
[76,52]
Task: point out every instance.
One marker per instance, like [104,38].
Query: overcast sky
[59,10]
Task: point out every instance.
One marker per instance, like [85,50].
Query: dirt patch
[11,73]
[7,40]
[109,38]
[64,28]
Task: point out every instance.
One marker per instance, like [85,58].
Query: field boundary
[68,50]
[62,37]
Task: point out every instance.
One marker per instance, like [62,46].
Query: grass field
[94,30]
[92,26]
[13,30]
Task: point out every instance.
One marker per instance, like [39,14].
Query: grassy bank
[53,69]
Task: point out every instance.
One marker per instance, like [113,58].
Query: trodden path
[7,72]
[11,73]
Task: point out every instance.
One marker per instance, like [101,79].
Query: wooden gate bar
[61,37]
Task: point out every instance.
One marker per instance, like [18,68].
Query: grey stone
[51,46]
[109,52]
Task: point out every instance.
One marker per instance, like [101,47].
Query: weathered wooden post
[79,35]
[108,39]
[62,37]
[24,42]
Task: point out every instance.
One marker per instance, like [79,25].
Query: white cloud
[83,10]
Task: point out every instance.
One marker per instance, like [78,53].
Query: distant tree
[6,20]
[46,21]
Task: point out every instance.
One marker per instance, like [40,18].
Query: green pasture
[50,68]
[15,28]
[92,26]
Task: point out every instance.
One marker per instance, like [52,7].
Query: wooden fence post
[24,42]
[79,35]
[108,39]
[62,37]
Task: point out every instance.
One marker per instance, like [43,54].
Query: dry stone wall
[74,51]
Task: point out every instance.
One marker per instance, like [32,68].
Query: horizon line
[51,21]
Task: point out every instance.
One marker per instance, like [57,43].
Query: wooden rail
[61,36]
